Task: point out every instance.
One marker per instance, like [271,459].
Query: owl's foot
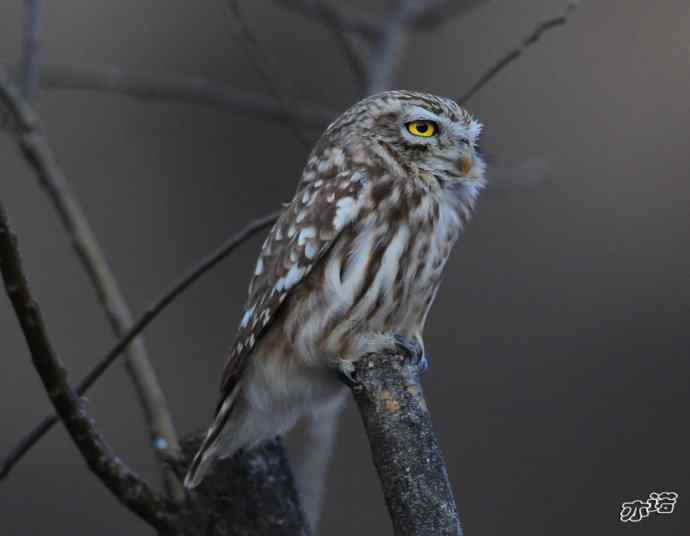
[414,350]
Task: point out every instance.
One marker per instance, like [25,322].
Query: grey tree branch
[180,88]
[404,447]
[129,488]
[225,504]
[40,157]
[29,74]
[428,14]
[333,21]
[252,493]
[348,22]
[260,61]
[423,14]
[388,48]
[151,312]
[534,36]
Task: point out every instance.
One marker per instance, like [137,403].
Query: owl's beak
[464,164]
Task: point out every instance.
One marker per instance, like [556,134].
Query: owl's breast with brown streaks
[382,273]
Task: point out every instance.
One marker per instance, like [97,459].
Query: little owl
[351,266]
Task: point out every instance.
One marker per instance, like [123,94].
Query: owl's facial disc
[442,144]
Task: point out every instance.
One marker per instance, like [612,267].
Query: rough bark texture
[403,445]
[251,494]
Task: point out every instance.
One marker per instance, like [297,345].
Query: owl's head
[416,133]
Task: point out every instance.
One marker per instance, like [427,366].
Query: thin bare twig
[515,53]
[151,312]
[432,13]
[259,61]
[128,487]
[180,88]
[333,21]
[40,157]
[29,75]
[351,23]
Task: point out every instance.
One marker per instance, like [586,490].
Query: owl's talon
[414,351]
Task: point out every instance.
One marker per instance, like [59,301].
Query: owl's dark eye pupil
[423,127]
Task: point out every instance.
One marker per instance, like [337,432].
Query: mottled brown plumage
[355,258]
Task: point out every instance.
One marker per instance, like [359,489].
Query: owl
[352,265]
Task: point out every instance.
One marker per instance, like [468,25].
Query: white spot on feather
[293,276]
[338,157]
[290,279]
[309,250]
[357,177]
[307,232]
[259,266]
[247,317]
[344,212]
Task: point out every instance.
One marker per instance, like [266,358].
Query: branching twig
[129,488]
[350,23]
[514,54]
[331,18]
[141,323]
[404,447]
[432,13]
[40,157]
[260,61]
[181,89]
[32,14]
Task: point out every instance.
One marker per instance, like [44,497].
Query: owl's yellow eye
[423,129]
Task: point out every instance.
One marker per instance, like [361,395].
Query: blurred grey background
[559,342]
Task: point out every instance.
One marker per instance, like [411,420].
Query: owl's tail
[210,448]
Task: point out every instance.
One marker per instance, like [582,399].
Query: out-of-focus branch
[428,14]
[404,447]
[40,157]
[251,493]
[151,312]
[347,22]
[29,74]
[260,61]
[512,55]
[129,488]
[180,88]
[388,48]
[333,20]
[423,14]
